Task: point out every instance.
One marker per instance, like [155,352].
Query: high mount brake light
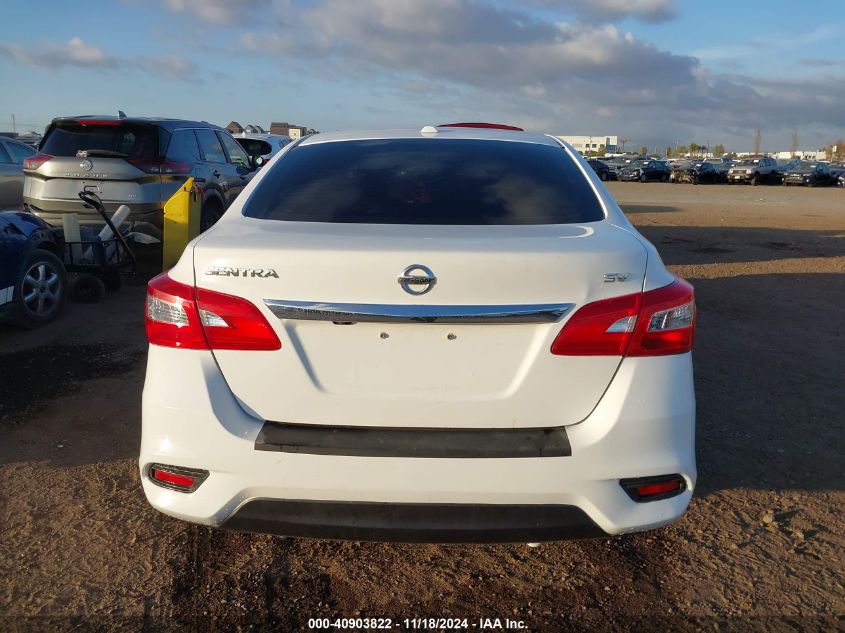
[35,161]
[654,323]
[178,315]
[485,126]
[97,122]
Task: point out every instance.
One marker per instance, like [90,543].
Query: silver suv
[134,161]
[754,171]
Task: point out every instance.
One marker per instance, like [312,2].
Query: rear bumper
[147,213]
[643,426]
[413,522]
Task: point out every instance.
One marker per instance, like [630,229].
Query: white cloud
[74,52]
[220,12]
[612,10]
[554,76]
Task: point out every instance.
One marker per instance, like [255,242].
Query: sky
[654,72]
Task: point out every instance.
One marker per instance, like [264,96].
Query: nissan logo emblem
[417,279]
[86,165]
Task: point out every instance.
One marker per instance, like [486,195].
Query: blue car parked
[33,280]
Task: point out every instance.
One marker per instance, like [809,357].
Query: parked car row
[753,171]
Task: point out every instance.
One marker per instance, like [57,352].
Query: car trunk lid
[472,351]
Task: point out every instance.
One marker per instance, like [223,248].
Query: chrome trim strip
[378,313]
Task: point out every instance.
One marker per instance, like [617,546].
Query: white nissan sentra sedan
[450,334]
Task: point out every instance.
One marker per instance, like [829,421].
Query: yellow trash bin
[181,222]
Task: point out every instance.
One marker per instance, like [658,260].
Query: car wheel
[643,178]
[89,289]
[112,280]
[42,289]
[695,180]
[664,178]
[754,180]
[603,175]
[209,215]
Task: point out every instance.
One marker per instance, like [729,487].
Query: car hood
[26,223]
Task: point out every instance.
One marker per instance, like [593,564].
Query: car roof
[168,124]
[429,132]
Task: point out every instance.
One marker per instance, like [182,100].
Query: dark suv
[134,161]
[645,170]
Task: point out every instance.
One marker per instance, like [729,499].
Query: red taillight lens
[35,161]
[666,324]
[234,323]
[158,166]
[171,316]
[653,323]
[602,328]
[178,315]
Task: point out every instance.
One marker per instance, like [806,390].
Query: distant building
[234,127]
[592,143]
[803,154]
[286,129]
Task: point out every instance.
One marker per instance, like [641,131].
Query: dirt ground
[761,547]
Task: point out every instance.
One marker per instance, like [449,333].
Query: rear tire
[89,289]
[754,180]
[112,280]
[209,215]
[643,178]
[603,176]
[41,291]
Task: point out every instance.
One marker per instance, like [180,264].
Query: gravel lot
[761,547]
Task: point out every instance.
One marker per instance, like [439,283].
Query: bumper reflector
[176,477]
[654,488]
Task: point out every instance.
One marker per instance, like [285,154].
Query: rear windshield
[124,140]
[426,181]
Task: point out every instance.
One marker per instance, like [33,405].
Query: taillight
[653,323]
[159,166]
[602,328]
[178,315]
[666,323]
[36,160]
[234,323]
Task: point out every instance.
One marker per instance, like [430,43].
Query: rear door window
[426,181]
[183,147]
[237,155]
[210,145]
[122,140]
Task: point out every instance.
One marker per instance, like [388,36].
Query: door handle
[216,173]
